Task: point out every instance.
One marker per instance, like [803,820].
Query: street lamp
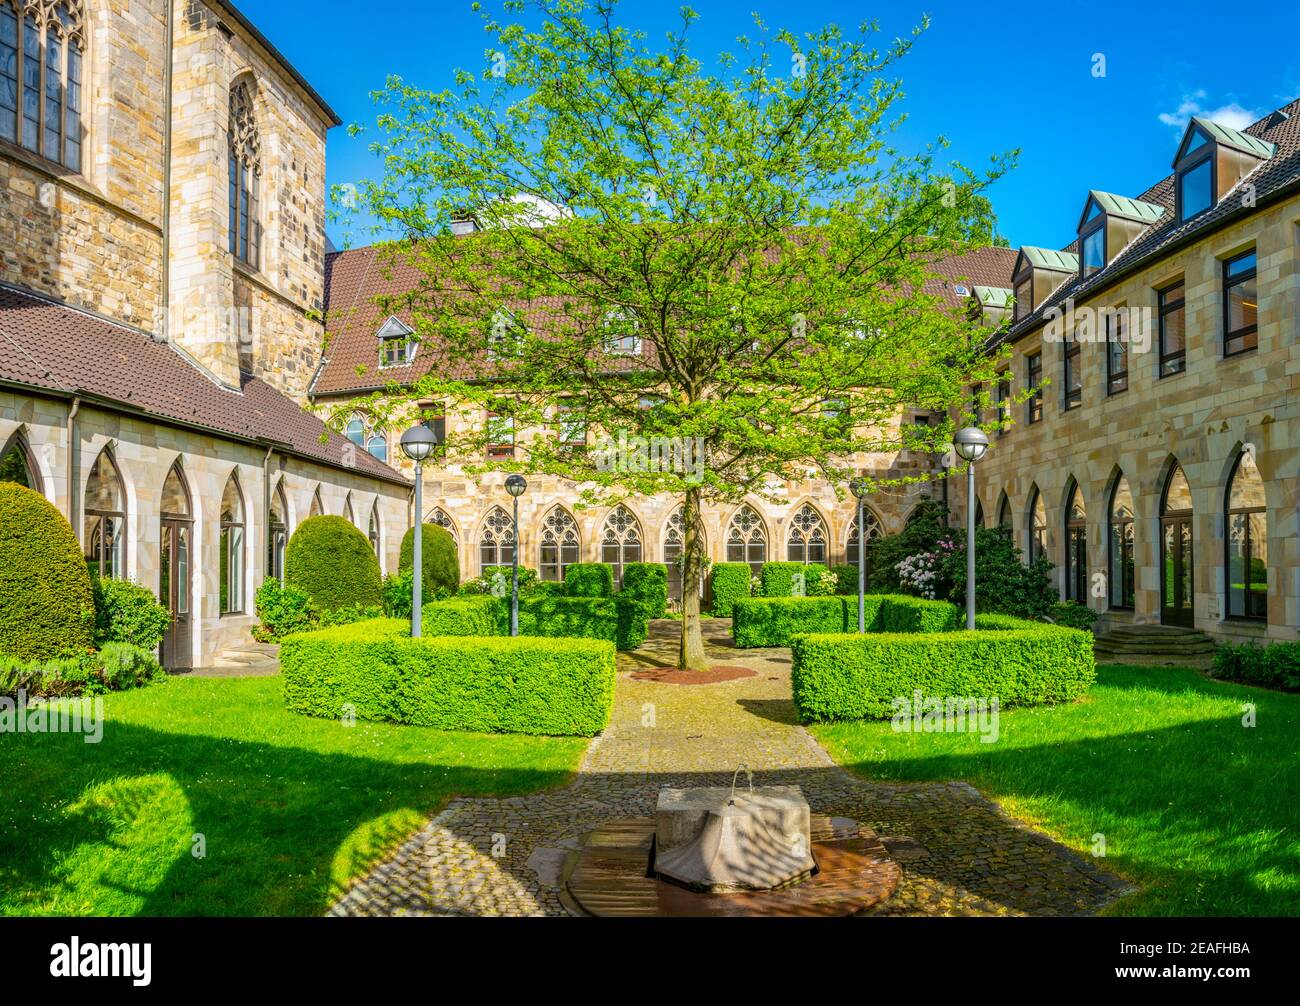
[859,489]
[516,486]
[970,445]
[418,444]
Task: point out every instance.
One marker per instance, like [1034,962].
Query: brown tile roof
[68,351]
[357,279]
[1274,177]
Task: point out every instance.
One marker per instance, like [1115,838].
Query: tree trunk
[692,656]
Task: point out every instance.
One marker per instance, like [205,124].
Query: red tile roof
[68,351]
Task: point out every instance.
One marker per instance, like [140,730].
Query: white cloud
[1231,114]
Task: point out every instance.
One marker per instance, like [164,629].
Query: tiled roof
[1279,174]
[51,346]
[355,280]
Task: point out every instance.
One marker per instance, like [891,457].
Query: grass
[286,809]
[1199,810]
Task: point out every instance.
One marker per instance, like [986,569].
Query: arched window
[18,465]
[105,510]
[979,513]
[245,150]
[377,445]
[559,544]
[620,541]
[1122,566]
[372,531]
[348,514]
[277,535]
[175,537]
[232,547]
[440,517]
[1177,591]
[1076,547]
[674,543]
[42,50]
[1004,512]
[356,431]
[1247,541]
[317,507]
[1037,527]
[497,542]
[874,533]
[806,540]
[746,539]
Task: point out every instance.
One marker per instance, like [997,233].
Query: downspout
[167,175]
[74,454]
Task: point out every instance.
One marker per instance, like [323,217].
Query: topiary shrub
[437,556]
[47,606]
[480,615]
[771,621]
[589,579]
[562,687]
[332,562]
[1072,614]
[647,582]
[786,579]
[730,583]
[125,612]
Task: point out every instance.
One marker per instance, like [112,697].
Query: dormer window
[504,335]
[1210,161]
[1108,225]
[1092,247]
[1038,273]
[1025,296]
[1196,188]
[396,344]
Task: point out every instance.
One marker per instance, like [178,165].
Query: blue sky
[989,77]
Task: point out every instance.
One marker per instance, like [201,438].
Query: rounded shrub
[125,612]
[438,557]
[332,562]
[47,608]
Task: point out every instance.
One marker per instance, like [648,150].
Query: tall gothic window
[42,49]
[440,517]
[620,541]
[874,533]
[559,545]
[806,541]
[674,543]
[1122,540]
[372,532]
[232,548]
[105,510]
[277,536]
[245,175]
[1076,548]
[497,542]
[746,539]
[1247,541]
[1037,527]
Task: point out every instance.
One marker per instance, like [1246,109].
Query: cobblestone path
[960,855]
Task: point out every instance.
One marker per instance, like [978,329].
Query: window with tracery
[559,544]
[42,70]
[806,541]
[747,540]
[245,176]
[620,541]
[497,542]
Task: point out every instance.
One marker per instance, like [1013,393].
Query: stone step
[1191,646]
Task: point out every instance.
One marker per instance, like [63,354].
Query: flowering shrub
[918,574]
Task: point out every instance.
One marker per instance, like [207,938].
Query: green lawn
[290,808]
[1203,813]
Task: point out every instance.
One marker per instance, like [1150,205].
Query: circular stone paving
[958,853]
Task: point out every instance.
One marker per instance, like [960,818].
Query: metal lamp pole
[418,444]
[859,489]
[516,485]
[970,445]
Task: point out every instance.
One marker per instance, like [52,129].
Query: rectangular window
[1173,330]
[1116,351]
[436,421]
[1034,380]
[1194,189]
[1001,395]
[1240,305]
[1024,297]
[571,422]
[8,74]
[395,353]
[1094,251]
[1073,376]
[500,437]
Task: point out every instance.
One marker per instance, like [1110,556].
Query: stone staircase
[1159,645]
[252,658]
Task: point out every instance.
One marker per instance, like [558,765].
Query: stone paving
[959,853]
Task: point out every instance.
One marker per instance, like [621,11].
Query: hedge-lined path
[960,854]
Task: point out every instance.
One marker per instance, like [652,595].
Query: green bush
[846,579]
[47,607]
[437,556]
[619,620]
[492,685]
[1004,582]
[903,613]
[496,582]
[772,621]
[397,590]
[589,579]
[1276,665]
[850,676]
[647,582]
[281,611]
[125,612]
[923,532]
[1073,615]
[331,560]
[730,583]
[778,579]
[480,615]
[116,667]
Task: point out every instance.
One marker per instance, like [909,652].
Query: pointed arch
[233,546]
[1004,511]
[277,531]
[621,541]
[559,544]
[807,536]
[1245,562]
[104,510]
[1036,525]
[444,520]
[747,538]
[875,531]
[673,544]
[979,512]
[1076,544]
[18,463]
[373,527]
[1177,549]
[1121,540]
[496,540]
[245,168]
[175,550]
[317,507]
[348,514]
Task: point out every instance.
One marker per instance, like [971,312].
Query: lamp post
[417,444]
[859,489]
[970,445]
[516,485]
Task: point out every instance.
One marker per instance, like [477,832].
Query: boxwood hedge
[851,676]
[437,556]
[493,685]
[589,579]
[647,582]
[476,615]
[333,562]
[772,621]
[730,583]
[778,578]
[620,620]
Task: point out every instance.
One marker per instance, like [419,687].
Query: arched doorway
[1122,540]
[1246,563]
[1076,547]
[176,534]
[1176,590]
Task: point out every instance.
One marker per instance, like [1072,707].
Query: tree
[692,282]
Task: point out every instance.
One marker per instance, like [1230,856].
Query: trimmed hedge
[562,687]
[772,621]
[333,562]
[730,584]
[437,556]
[849,677]
[589,579]
[846,577]
[778,578]
[47,607]
[619,620]
[647,582]
[479,615]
